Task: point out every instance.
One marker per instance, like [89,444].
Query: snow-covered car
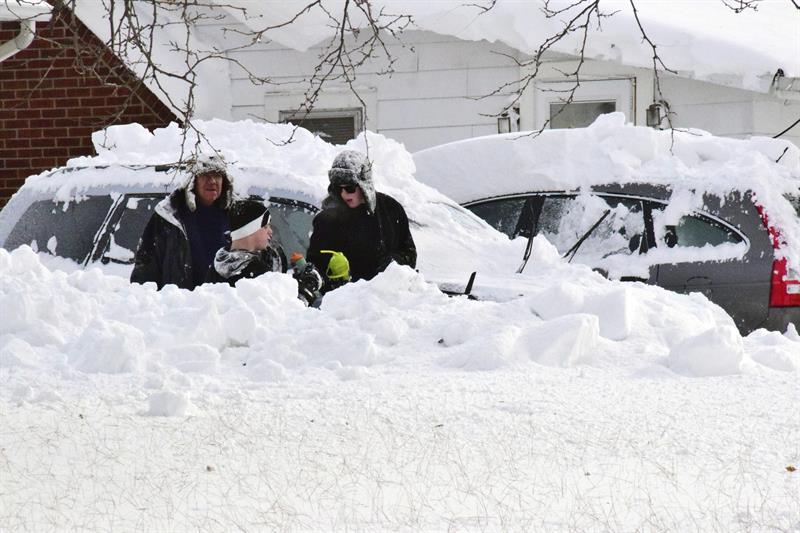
[102,223]
[690,213]
[92,212]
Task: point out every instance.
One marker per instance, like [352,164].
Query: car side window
[567,219]
[65,229]
[502,214]
[291,225]
[693,231]
[125,234]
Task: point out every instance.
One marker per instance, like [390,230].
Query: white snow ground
[584,405]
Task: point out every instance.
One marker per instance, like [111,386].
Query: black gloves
[309,282]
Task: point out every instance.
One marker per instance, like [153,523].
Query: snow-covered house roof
[11,10]
[700,40]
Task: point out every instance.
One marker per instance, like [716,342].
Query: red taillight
[784,291]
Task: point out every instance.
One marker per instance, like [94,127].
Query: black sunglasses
[349,189]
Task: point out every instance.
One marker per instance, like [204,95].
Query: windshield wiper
[529,222]
[585,236]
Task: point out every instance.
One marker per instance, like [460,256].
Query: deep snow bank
[61,329]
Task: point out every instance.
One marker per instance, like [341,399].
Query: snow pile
[241,399]
[86,322]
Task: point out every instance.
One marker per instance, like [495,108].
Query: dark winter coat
[370,239]
[164,254]
[232,265]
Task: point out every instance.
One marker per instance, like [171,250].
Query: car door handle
[698,281]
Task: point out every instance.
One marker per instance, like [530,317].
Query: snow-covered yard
[393,407]
[567,403]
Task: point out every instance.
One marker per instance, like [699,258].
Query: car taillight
[784,291]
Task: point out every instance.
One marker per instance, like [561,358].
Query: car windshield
[567,220]
[291,226]
[67,229]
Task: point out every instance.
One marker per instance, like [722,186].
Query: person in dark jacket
[188,227]
[370,228]
[249,254]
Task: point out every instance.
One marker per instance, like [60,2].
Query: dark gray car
[610,227]
[687,222]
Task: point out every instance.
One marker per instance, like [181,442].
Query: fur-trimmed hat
[202,164]
[351,168]
[246,217]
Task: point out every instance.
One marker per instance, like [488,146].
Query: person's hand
[309,282]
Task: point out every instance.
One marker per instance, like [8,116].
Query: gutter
[27,31]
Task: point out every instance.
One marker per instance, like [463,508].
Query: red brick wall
[54,94]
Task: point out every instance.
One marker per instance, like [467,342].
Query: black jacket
[164,253]
[232,265]
[370,241]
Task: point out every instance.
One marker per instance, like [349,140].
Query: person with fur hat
[368,227]
[188,227]
[249,254]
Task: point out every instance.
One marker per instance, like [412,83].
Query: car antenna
[574,249]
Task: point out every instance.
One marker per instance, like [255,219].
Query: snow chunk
[715,352]
[564,341]
[773,350]
[16,352]
[167,403]
[240,323]
[486,351]
[200,358]
[109,347]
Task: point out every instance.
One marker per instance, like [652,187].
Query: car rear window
[128,230]
[65,229]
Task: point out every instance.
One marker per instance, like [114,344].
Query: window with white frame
[336,126]
[589,100]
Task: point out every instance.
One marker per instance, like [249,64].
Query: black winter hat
[246,217]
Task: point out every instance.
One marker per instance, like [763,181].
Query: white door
[591,99]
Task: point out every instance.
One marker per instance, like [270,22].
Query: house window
[590,99]
[578,114]
[336,126]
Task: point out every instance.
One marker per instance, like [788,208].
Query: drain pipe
[27,31]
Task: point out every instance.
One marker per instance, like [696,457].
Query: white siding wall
[433,96]
[730,112]
[717,109]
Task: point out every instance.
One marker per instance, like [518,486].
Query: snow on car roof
[611,151]
[280,157]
